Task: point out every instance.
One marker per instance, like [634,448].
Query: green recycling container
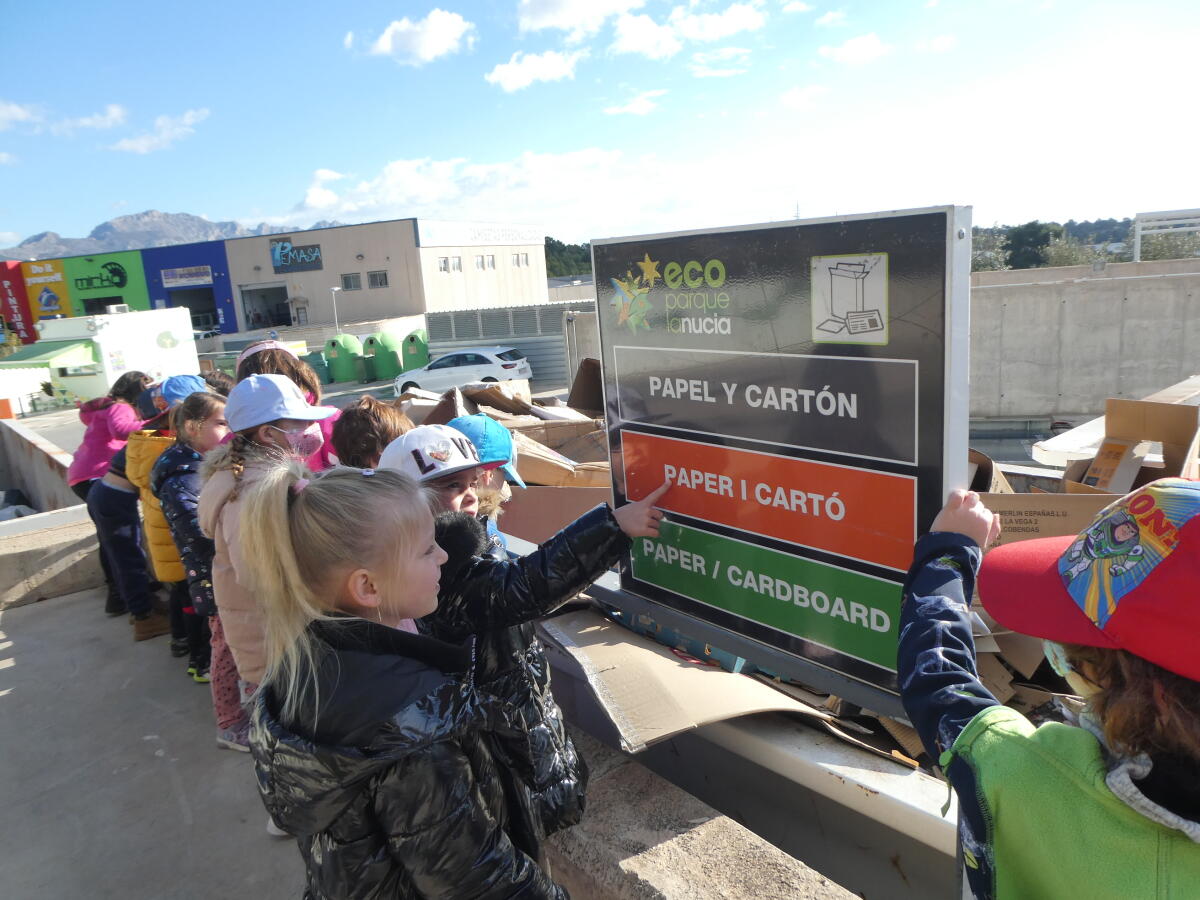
[365,366]
[340,354]
[386,349]
[416,350]
[317,361]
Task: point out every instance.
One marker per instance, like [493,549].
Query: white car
[465,366]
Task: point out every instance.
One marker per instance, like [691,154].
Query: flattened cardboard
[1117,464]
[1026,516]
[587,390]
[590,447]
[649,693]
[995,677]
[538,464]
[537,513]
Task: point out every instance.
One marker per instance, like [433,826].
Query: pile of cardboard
[557,445]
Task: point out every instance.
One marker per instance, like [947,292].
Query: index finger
[653,496]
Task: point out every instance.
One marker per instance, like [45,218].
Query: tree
[1027,243]
[567,259]
[989,250]
[1183,245]
[1069,251]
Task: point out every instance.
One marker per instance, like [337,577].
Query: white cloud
[9,238]
[802,96]
[942,43]
[7,159]
[797,7]
[318,196]
[523,69]
[579,18]
[416,43]
[720,63]
[167,130]
[641,34]
[15,114]
[736,18]
[114,114]
[858,50]
[348,40]
[833,17]
[641,105]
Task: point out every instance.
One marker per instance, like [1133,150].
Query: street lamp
[333,292]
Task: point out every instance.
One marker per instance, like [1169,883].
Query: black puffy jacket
[394,791]
[480,595]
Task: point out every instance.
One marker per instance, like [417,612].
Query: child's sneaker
[200,675]
[235,738]
[191,669]
[274,830]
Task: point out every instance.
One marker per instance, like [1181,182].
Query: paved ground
[112,785]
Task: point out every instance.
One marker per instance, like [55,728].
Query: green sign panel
[105,279]
[825,605]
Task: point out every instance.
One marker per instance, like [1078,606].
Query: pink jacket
[325,458]
[220,519]
[109,424]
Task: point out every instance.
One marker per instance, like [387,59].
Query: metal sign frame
[819,289]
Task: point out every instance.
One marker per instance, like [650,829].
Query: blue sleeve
[179,496]
[939,683]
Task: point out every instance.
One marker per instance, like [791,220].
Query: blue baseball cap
[492,440]
[178,388]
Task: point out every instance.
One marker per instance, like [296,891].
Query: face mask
[304,443]
[1062,667]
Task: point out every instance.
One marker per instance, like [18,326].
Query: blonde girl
[369,740]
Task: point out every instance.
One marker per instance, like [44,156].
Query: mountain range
[145,229]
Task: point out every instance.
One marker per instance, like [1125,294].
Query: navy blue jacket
[175,481]
[939,683]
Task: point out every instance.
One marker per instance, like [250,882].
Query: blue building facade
[195,276]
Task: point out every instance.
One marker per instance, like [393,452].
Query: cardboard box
[984,476]
[590,447]
[1176,427]
[538,464]
[1025,516]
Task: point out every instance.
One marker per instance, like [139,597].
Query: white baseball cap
[429,452]
[259,399]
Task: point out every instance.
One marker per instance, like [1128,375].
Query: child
[199,425]
[494,444]
[144,447]
[364,429]
[271,421]
[477,589]
[273,358]
[367,740]
[108,422]
[113,505]
[1110,808]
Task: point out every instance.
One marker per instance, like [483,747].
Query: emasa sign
[288,257]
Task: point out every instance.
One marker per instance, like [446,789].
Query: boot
[114,605]
[150,625]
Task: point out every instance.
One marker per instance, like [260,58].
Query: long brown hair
[1143,708]
[281,362]
[129,386]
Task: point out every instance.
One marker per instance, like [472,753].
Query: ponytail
[312,532]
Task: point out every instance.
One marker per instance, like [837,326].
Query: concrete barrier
[36,466]
[48,555]
[642,838]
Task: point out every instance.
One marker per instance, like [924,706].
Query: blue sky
[594,118]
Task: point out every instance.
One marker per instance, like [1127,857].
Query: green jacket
[1056,828]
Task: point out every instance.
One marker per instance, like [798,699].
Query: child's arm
[443,835]
[488,593]
[939,683]
[179,497]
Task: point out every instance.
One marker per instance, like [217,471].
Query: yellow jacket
[142,451]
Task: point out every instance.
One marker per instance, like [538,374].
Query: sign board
[46,288]
[186,276]
[803,385]
[289,257]
[14,304]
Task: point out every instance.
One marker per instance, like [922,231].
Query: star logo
[649,269]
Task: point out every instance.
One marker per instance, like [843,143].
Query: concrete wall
[1058,342]
[36,466]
